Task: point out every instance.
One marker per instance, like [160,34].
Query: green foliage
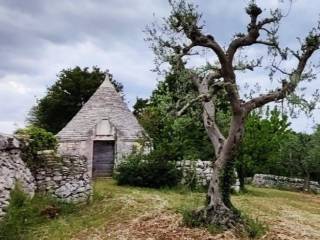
[64,98]
[270,147]
[190,180]
[227,179]
[25,214]
[35,139]
[189,220]
[258,152]
[312,163]
[181,137]
[253,227]
[300,155]
[147,170]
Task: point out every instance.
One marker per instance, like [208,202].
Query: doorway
[103,158]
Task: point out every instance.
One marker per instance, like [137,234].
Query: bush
[147,171]
[189,220]
[35,139]
[24,214]
[253,227]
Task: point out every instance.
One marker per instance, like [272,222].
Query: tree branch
[312,44]
[201,97]
[253,31]
[281,70]
[241,66]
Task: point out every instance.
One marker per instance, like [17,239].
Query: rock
[12,170]
[8,142]
[57,178]
[46,152]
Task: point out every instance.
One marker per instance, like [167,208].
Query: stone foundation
[13,171]
[272,181]
[65,177]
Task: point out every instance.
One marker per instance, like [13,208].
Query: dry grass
[289,215]
[127,213]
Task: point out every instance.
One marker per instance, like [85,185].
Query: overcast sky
[41,37]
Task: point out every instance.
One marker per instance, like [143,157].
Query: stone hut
[104,130]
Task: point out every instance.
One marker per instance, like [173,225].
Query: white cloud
[9,127]
[42,37]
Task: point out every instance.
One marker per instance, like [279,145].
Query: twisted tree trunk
[219,209]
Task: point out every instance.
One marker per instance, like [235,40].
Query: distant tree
[66,96]
[311,166]
[300,155]
[181,37]
[260,146]
[295,158]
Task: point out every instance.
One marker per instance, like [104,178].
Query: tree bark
[219,209]
[306,185]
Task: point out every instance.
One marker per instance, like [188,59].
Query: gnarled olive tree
[180,37]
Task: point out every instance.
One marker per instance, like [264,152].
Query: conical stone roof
[105,103]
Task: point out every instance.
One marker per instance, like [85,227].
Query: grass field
[136,213]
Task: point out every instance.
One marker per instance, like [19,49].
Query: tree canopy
[73,88]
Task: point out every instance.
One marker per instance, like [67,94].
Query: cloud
[39,38]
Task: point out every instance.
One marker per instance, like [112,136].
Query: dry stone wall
[201,171]
[66,177]
[13,171]
[268,180]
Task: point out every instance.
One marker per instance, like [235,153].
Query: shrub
[147,171]
[35,139]
[190,220]
[253,227]
[24,214]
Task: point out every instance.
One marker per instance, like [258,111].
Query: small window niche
[105,128]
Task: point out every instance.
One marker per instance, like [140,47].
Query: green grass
[111,203]
[120,204]
[25,214]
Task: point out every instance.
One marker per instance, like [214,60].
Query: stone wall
[200,171]
[268,180]
[13,171]
[66,177]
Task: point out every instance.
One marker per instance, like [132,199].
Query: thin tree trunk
[306,185]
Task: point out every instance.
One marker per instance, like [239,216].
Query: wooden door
[103,158]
